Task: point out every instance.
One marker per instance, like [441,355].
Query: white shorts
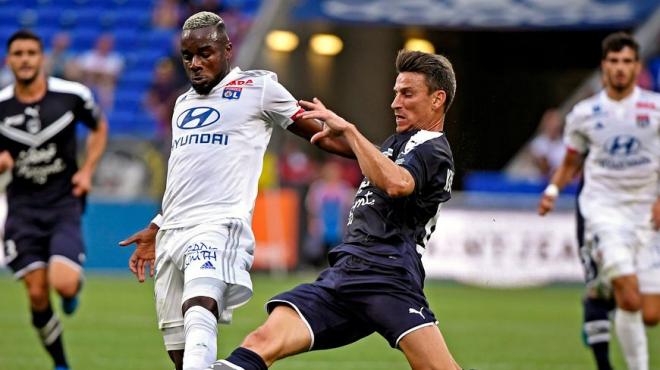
[221,252]
[648,266]
[620,250]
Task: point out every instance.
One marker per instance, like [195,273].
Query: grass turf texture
[115,328]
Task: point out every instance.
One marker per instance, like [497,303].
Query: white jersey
[622,143]
[218,145]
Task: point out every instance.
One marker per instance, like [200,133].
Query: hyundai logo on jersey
[622,145]
[197,117]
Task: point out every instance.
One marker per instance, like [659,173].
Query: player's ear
[439,98]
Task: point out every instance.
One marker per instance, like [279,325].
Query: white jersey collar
[633,97]
[232,75]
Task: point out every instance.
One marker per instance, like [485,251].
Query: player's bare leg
[44,319]
[651,309]
[283,334]
[628,322]
[65,278]
[36,282]
[426,349]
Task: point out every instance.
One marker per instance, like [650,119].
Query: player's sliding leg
[200,321]
[283,334]
[597,329]
[66,278]
[628,322]
[425,349]
[44,319]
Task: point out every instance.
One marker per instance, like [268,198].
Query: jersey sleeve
[279,106]
[430,166]
[574,136]
[87,111]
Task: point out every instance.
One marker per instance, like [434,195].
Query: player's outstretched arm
[565,173]
[395,180]
[6,161]
[145,251]
[306,128]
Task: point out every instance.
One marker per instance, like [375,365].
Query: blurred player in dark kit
[43,242]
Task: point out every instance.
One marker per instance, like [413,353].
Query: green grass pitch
[115,328]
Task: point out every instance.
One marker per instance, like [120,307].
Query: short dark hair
[24,35]
[615,42]
[437,69]
[206,19]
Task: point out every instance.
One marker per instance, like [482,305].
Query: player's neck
[619,95]
[31,92]
[435,125]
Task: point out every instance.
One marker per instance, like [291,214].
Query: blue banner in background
[106,223]
[481,14]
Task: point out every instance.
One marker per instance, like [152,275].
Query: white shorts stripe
[413,329]
[599,338]
[36,265]
[67,261]
[229,364]
[311,333]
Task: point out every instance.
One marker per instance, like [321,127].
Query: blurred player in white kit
[614,135]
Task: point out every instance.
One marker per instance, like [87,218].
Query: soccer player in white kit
[202,246]
[615,135]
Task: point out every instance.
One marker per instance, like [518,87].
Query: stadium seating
[129,21]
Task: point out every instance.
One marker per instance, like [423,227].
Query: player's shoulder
[584,109]
[648,99]
[587,106]
[184,96]
[432,141]
[7,93]
[253,77]
[60,85]
[257,73]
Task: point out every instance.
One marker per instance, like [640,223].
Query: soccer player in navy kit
[375,282]
[43,243]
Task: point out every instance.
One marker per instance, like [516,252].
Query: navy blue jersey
[41,137]
[394,231]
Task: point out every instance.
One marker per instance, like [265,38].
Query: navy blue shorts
[355,298]
[35,235]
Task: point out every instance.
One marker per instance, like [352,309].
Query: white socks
[632,338]
[201,327]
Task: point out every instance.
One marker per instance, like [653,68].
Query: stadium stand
[129,22]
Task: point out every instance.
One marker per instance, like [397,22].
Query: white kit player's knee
[201,338]
[632,338]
